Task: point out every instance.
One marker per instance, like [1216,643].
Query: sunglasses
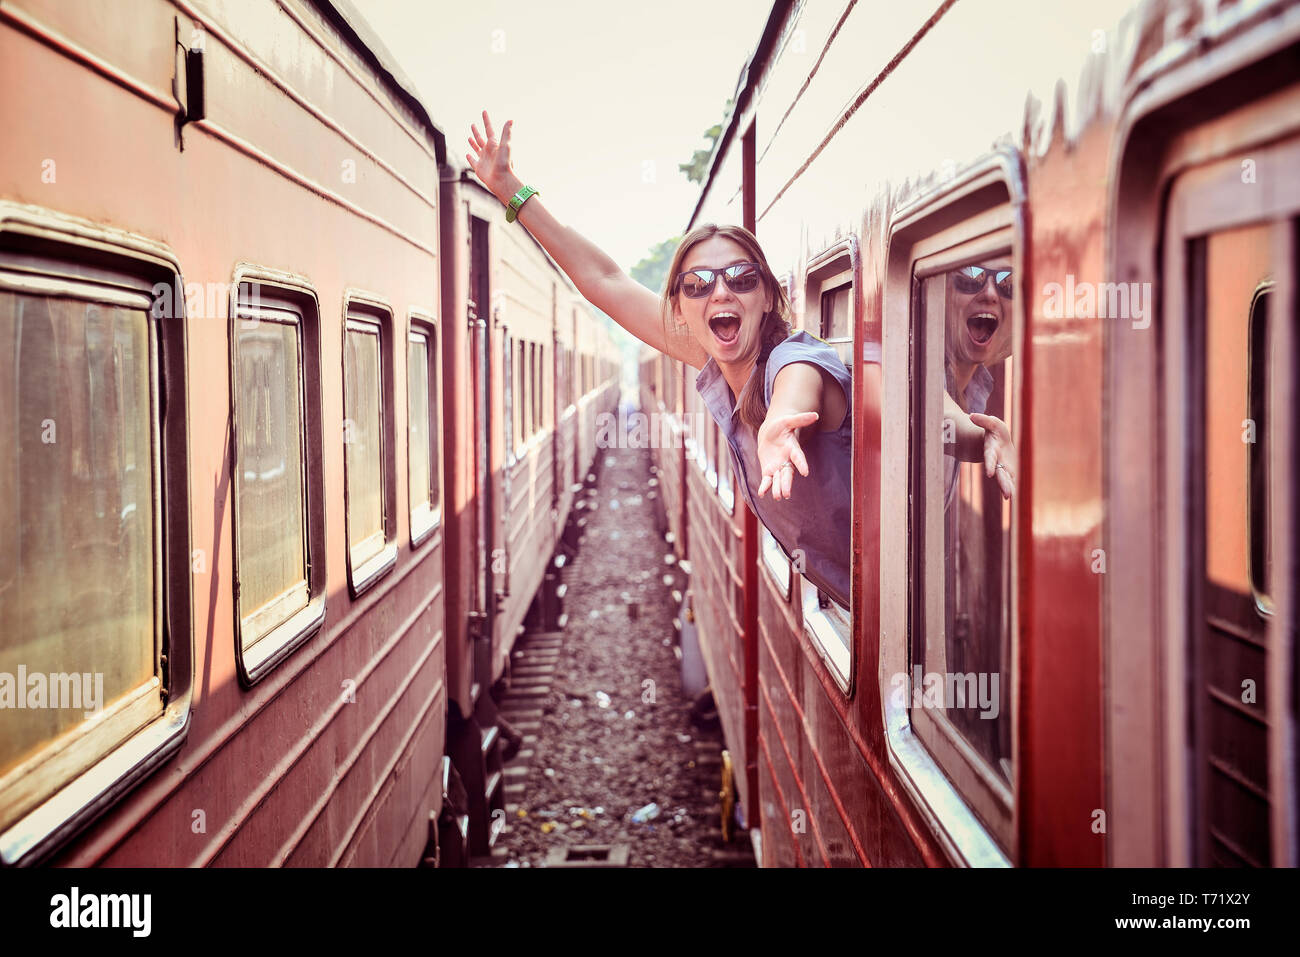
[698,283]
[971,279]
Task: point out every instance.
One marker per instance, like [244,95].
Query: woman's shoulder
[803,346]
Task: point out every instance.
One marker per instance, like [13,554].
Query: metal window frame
[286,293]
[367,309]
[65,249]
[828,625]
[986,197]
[424,324]
[290,293]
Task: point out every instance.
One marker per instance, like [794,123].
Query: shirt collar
[713,389]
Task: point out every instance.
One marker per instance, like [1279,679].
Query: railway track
[611,771]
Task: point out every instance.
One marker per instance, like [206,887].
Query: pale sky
[607,97]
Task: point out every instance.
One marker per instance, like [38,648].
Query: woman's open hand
[490,159]
[779,453]
[999,452]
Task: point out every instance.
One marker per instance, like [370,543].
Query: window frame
[422,526]
[55,254]
[987,197]
[957,757]
[283,291]
[776,563]
[829,629]
[1262,302]
[367,309]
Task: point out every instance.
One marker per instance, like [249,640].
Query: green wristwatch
[517,202]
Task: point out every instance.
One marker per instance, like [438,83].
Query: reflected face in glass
[726,323]
[979,312]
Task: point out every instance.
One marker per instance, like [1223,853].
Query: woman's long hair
[776,321]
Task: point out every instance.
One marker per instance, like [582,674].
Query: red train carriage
[527,370]
[232,314]
[1103,669]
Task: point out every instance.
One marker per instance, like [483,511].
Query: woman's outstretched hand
[999,452]
[779,453]
[490,159]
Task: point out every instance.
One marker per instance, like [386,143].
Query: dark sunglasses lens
[969,279]
[1003,279]
[742,277]
[695,285]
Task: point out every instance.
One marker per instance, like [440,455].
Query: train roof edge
[356,30]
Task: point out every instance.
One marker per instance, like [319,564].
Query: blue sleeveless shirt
[816,521]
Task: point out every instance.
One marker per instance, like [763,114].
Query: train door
[1201,459]
[1230,252]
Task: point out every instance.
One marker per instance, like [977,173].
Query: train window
[367,413]
[952,310]
[1260,462]
[82,468]
[541,388]
[532,390]
[509,414]
[542,416]
[837,317]
[422,417]
[778,566]
[829,290]
[518,395]
[711,453]
[270,481]
[963,365]
[275,396]
[726,486]
[93,509]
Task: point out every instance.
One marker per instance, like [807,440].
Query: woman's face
[979,322]
[728,324]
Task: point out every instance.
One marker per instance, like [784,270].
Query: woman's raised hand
[779,453]
[490,159]
[999,452]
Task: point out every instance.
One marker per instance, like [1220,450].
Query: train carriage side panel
[331,755]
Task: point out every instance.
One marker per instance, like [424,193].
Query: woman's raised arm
[598,278]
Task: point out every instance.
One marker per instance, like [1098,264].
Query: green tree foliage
[652,270]
[699,162]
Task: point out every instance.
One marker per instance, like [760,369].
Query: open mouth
[982,327]
[725,326]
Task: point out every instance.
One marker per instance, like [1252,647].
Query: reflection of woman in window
[978,314]
[724,313]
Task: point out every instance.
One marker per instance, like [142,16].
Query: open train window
[726,485]
[422,422]
[829,294]
[953,320]
[367,441]
[275,402]
[95,631]
[778,566]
